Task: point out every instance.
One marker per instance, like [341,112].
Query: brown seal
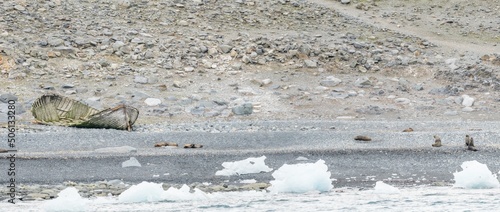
[437,141]
[193,146]
[408,130]
[162,144]
[362,138]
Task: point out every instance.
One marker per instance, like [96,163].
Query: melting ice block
[247,166]
[383,188]
[475,175]
[132,162]
[142,192]
[300,178]
[67,200]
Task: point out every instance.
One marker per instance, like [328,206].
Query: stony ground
[233,60]
[188,61]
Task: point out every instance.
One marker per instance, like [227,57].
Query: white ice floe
[153,192]
[383,188]
[132,162]
[247,166]
[300,178]
[475,175]
[67,200]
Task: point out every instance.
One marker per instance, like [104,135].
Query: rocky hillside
[207,60]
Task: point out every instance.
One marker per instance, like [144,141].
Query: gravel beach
[246,78]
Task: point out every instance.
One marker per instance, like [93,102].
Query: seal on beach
[437,141]
[408,130]
[162,144]
[193,146]
[362,138]
[469,142]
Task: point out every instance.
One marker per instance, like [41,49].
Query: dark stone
[6,97]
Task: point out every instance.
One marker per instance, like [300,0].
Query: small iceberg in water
[67,200]
[475,175]
[301,178]
[383,188]
[247,166]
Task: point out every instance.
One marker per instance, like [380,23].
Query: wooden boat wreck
[53,109]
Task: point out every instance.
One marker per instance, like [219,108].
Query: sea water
[421,198]
[298,187]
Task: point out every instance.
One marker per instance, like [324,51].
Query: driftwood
[53,109]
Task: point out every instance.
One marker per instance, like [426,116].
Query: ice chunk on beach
[475,175]
[247,166]
[67,200]
[142,192]
[383,188]
[132,162]
[300,178]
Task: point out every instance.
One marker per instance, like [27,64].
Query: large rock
[467,101]
[244,109]
[152,101]
[363,82]
[310,63]
[330,81]
[6,97]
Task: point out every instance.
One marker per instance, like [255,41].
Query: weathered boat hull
[53,109]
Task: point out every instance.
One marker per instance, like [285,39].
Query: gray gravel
[56,155]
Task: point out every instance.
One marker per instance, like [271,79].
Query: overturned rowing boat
[53,109]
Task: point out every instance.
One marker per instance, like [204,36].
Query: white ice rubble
[153,192]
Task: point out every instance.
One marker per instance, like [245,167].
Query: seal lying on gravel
[53,109]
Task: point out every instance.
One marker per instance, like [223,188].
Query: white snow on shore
[301,178]
[247,166]
[475,175]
